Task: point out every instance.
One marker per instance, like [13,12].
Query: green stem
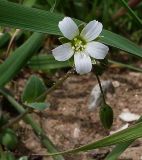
[56,85]
[28,119]
[101,89]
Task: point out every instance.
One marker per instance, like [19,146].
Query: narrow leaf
[46,63]
[120,148]
[125,135]
[19,58]
[17,16]
[120,42]
[4,39]
[117,151]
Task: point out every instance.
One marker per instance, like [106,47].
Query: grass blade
[126,135]
[120,42]
[19,58]
[118,150]
[46,63]
[17,16]
[4,39]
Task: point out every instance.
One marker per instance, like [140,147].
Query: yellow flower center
[78,44]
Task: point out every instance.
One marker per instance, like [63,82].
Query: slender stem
[101,89]
[56,85]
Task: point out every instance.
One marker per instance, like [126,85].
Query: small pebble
[76,133]
[127,116]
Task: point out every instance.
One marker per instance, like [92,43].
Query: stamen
[78,44]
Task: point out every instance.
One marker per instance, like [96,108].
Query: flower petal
[92,30]
[83,63]
[68,28]
[97,50]
[63,52]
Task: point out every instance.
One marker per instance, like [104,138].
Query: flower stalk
[56,85]
[101,89]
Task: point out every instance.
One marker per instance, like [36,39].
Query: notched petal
[68,28]
[83,63]
[92,30]
[63,52]
[97,50]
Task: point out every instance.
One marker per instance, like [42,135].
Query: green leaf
[29,3]
[4,39]
[9,139]
[17,16]
[106,116]
[33,89]
[46,63]
[19,58]
[38,106]
[117,138]
[120,148]
[120,42]
[117,151]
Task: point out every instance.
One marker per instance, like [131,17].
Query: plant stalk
[101,89]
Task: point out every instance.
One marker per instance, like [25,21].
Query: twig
[56,85]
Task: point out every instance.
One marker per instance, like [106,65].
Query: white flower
[81,45]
